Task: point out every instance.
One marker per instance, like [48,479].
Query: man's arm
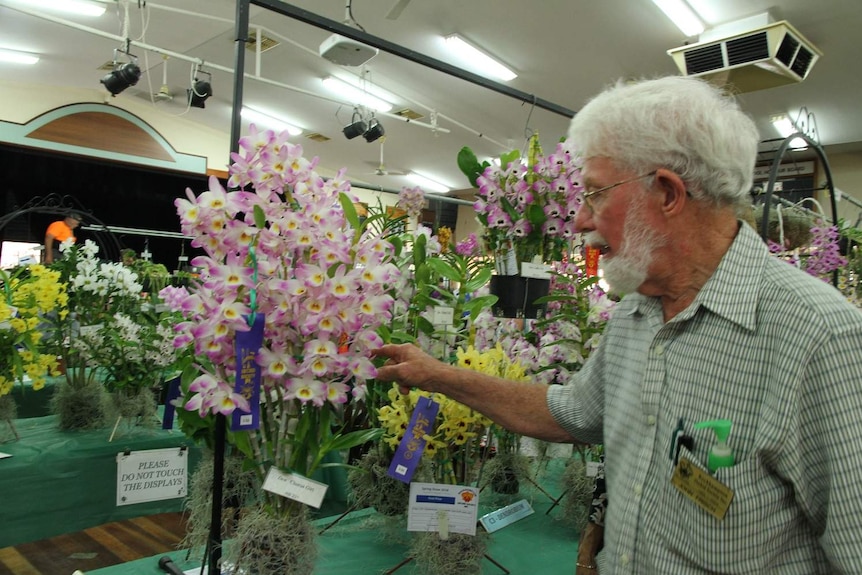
[518,406]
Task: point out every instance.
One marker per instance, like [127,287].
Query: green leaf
[477,304]
[259,217]
[444,269]
[385,333]
[419,250]
[469,165]
[422,275]
[349,210]
[352,439]
[477,281]
[401,336]
[536,215]
[506,159]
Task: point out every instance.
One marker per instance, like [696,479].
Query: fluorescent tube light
[785,127]
[681,14]
[427,183]
[15,57]
[79,7]
[269,120]
[356,95]
[476,58]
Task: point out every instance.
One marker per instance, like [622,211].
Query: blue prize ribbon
[409,452]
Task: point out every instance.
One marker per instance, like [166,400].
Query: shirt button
[659,349]
[650,419]
[638,490]
[624,559]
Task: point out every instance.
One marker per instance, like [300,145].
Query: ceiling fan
[397,9]
[380,166]
[165,93]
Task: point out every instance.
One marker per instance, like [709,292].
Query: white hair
[683,124]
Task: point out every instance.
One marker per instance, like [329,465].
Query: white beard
[627,270]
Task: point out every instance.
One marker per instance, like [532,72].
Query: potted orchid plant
[287,255]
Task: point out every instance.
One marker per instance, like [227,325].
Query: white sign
[509,514]
[296,487]
[152,475]
[429,502]
[593,468]
[535,271]
[784,170]
[443,315]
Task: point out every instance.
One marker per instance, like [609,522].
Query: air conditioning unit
[765,57]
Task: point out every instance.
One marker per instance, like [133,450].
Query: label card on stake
[409,451]
[444,509]
[295,486]
[496,520]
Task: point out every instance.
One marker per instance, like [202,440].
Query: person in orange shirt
[57,233]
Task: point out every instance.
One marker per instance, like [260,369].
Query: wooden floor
[96,547]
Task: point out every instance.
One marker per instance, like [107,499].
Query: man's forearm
[518,406]
[49,249]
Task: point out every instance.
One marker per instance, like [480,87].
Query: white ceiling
[564,51]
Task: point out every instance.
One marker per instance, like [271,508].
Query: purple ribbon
[247,384]
[409,451]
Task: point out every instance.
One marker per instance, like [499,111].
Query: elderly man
[713,328]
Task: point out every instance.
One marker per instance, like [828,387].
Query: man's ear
[675,194]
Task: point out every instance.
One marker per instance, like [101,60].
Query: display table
[363,543]
[64,481]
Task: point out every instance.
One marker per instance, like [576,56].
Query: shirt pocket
[749,537]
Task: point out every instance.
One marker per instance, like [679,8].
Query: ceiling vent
[409,114]
[317,137]
[766,57]
[266,43]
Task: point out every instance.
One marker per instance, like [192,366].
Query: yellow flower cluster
[444,236]
[21,314]
[456,423]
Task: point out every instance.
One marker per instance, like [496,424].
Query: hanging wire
[350,17]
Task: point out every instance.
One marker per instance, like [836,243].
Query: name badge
[703,489]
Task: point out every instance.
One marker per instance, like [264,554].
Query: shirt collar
[730,291]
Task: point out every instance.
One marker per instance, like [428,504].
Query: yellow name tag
[705,490]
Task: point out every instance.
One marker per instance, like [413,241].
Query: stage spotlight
[374,132]
[356,127]
[198,93]
[121,78]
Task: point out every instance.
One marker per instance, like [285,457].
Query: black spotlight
[375,131]
[356,127]
[198,93]
[121,78]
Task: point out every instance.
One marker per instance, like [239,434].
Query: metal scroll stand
[806,127]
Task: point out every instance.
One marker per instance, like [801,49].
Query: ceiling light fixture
[16,57]
[356,95]
[427,183]
[79,7]
[200,90]
[122,76]
[476,58]
[681,14]
[266,119]
[785,127]
[374,132]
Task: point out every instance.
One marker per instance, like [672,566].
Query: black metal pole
[349,32]
[219,444]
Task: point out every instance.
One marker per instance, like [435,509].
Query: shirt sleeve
[827,466]
[578,406]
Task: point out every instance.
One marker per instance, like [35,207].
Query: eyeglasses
[591,193]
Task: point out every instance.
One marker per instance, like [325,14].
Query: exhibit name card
[456,505]
[295,486]
[509,514]
[152,475]
[535,270]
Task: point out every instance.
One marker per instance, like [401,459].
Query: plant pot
[516,296]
